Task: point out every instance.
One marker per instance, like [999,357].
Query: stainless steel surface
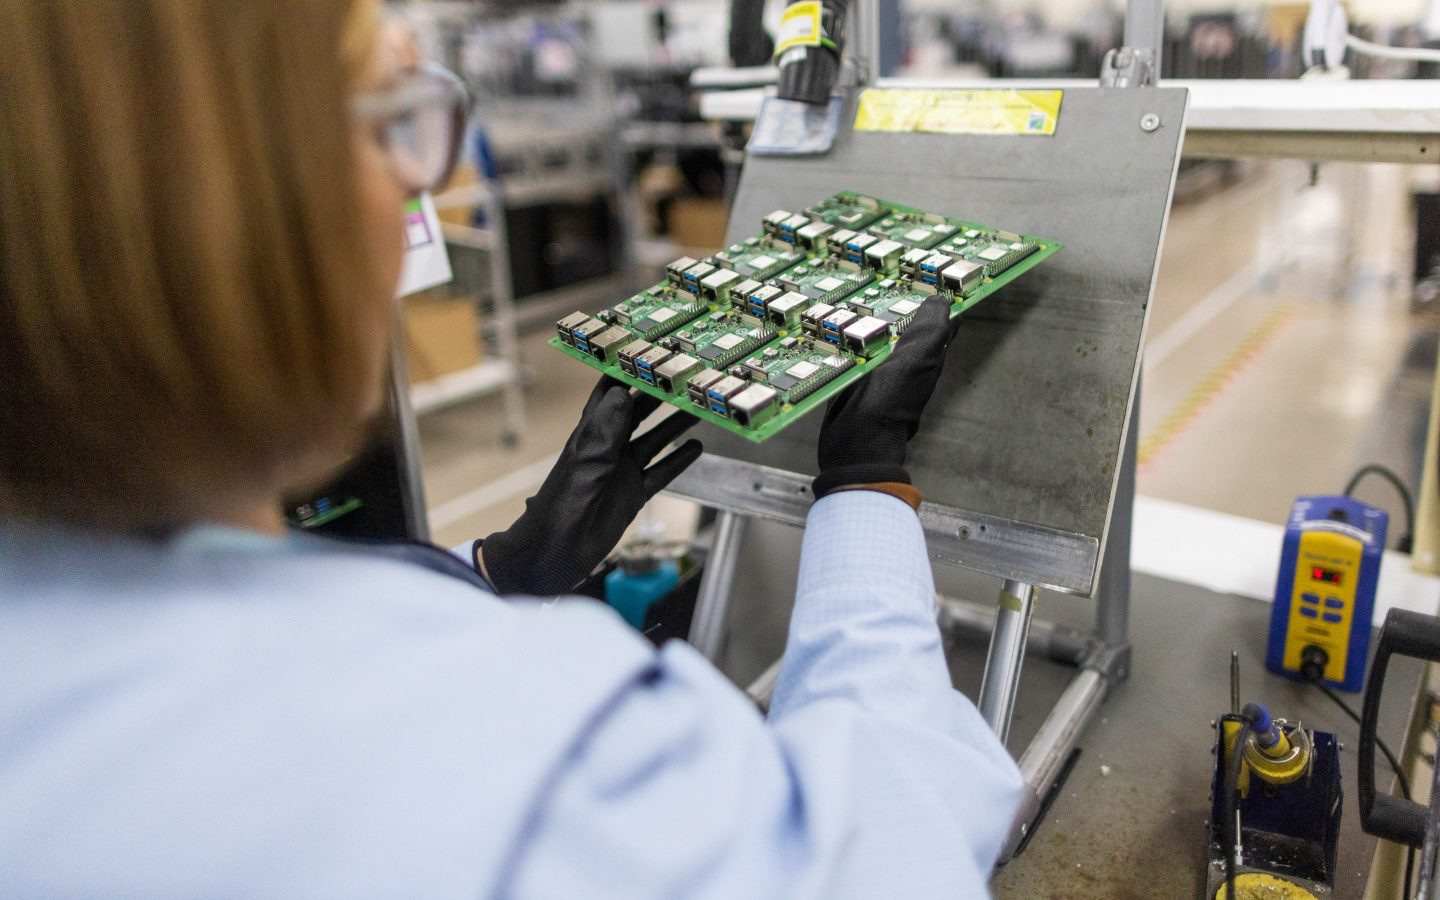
[864,40]
[1112,612]
[982,543]
[1145,29]
[1016,606]
[1057,642]
[712,605]
[1024,435]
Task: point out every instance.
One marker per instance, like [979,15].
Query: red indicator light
[1329,576]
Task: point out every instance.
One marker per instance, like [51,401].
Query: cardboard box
[698,223]
[442,335]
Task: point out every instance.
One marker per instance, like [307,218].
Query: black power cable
[1394,764]
[1229,832]
[1408,538]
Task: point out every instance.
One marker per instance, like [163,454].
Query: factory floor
[1282,354]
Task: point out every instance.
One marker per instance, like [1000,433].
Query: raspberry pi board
[767,330]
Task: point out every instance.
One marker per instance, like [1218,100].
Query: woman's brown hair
[187,308]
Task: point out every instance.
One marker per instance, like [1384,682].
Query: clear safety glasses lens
[421,123]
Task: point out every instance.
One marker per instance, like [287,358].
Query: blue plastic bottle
[634,586]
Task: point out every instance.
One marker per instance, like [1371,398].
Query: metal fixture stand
[1028,452]
[712,604]
[1007,652]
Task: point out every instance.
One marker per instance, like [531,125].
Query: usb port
[647,376]
[832,338]
[854,257]
[929,279]
[718,409]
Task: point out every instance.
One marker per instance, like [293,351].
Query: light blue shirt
[225,714]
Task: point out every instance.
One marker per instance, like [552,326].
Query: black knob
[1312,663]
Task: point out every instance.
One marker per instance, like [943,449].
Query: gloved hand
[594,492]
[866,428]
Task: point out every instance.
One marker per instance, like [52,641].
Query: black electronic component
[732,345]
[825,373]
[809,66]
[998,258]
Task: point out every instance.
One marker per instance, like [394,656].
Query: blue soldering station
[1325,593]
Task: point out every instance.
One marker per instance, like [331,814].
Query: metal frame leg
[507,344]
[1112,593]
[712,604]
[1007,654]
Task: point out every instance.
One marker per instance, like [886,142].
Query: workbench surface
[1136,827]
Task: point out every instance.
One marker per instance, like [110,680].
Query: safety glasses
[419,120]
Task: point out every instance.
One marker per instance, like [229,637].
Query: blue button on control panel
[1310,598]
[1332,617]
[1334,603]
[1308,612]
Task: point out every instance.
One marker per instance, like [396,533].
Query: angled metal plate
[1026,429]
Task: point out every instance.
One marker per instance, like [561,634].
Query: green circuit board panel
[770,328]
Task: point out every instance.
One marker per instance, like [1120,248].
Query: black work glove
[866,428]
[594,492]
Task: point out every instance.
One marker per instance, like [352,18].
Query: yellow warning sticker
[799,27]
[998,111]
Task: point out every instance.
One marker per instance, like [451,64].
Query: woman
[200,231]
